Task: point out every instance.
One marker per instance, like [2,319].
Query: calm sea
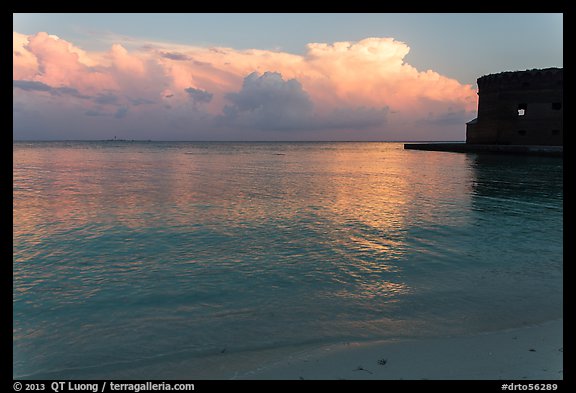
[203,260]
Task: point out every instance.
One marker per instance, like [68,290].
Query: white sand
[531,353]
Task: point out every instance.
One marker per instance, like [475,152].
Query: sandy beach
[528,353]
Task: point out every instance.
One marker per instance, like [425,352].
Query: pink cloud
[370,72]
[126,63]
[365,77]
[59,64]
[24,63]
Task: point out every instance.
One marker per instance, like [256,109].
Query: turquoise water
[136,259]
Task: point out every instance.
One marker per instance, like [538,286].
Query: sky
[265,77]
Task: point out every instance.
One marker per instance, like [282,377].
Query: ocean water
[205,260]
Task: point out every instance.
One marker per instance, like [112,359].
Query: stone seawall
[527,150]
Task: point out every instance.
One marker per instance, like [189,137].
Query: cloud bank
[344,90]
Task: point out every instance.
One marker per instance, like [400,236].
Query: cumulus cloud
[174,56]
[365,85]
[268,101]
[31,85]
[56,62]
[39,86]
[198,95]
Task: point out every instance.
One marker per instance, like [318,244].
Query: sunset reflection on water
[205,245]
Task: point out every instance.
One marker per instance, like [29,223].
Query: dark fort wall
[519,108]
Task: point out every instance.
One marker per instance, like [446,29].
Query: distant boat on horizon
[126,140]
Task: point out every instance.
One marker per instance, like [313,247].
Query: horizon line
[234,141]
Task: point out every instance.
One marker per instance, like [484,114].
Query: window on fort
[556,106]
[522,109]
[522,132]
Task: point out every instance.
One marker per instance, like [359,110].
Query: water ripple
[128,253]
